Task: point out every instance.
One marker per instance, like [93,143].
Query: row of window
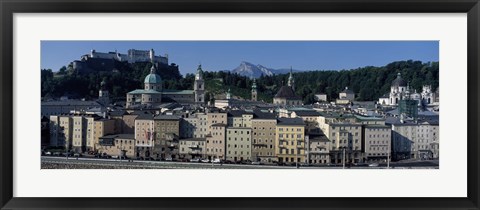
[241,146]
[290,129]
[241,139]
[291,135]
[241,132]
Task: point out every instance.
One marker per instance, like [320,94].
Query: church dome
[399,82]
[153,79]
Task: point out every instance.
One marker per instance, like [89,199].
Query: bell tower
[199,86]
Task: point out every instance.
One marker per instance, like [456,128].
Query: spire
[291,82]
[254,85]
[199,74]
[229,95]
[152,69]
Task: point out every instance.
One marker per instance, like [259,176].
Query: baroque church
[153,93]
[286,95]
[400,90]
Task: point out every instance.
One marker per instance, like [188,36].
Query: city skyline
[301,55]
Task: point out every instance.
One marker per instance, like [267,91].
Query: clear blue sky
[227,55]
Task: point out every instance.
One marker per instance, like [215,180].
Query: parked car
[168,159]
[228,162]
[196,160]
[48,153]
[205,161]
[217,160]
[149,158]
[257,163]
[77,155]
[115,156]
[373,165]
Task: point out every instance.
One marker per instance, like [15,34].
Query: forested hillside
[368,83]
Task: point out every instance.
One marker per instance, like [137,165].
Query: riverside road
[93,163]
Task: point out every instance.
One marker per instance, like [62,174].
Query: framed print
[298,105]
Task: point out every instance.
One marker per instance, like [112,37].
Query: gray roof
[290,121]
[399,81]
[236,113]
[307,113]
[396,121]
[145,117]
[140,112]
[347,91]
[117,113]
[71,103]
[287,92]
[257,114]
[318,137]
[167,117]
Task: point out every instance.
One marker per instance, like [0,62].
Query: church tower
[254,90]
[229,94]
[103,96]
[199,86]
[291,82]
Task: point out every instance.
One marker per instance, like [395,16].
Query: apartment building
[290,140]
[238,144]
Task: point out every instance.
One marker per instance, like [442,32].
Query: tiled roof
[71,103]
[167,117]
[286,92]
[187,92]
[290,121]
[143,91]
[307,113]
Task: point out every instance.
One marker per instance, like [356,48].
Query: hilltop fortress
[106,61]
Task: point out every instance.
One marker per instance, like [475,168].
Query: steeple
[103,96]
[229,95]
[153,69]
[199,74]
[291,81]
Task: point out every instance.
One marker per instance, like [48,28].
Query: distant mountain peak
[251,70]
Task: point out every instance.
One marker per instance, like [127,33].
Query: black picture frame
[10,7]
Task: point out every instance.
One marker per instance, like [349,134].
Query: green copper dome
[153,79]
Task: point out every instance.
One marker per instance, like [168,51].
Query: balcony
[281,146]
[195,147]
[259,144]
